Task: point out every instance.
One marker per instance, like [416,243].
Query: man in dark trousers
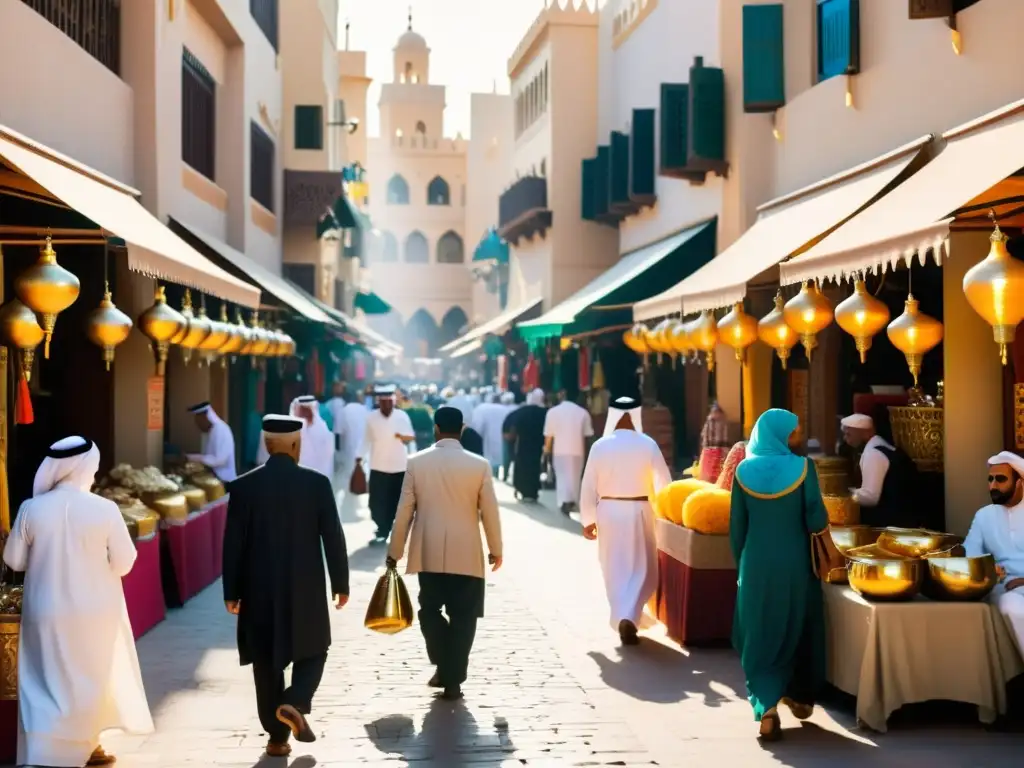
[280,515]
[446,495]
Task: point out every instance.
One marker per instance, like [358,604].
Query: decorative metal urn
[161,323]
[47,289]
[107,326]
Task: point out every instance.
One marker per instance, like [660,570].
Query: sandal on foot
[771,726]
[800,711]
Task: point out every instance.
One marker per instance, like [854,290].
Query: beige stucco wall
[87,117]
[352,87]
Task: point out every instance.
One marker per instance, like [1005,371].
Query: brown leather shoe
[435,681]
[627,632]
[278,749]
[295,720]
[99,757]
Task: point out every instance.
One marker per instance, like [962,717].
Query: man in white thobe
[78,672]
[489,421]
[217,446]
[336,406]
[566,429]
[998,530]
[464,403]
[317,443]
[624,472]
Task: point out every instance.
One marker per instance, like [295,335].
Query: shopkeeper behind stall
[218,443]
[887,476]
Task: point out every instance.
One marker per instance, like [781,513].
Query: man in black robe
[279,517]
[525,426]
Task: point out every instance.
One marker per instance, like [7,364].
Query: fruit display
[670,500]
[148,480]
[707,511]
[147,495]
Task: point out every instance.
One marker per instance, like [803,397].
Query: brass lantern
[703,333]
[107,326]
[248,335]
[161,323]
[20,327]
[196,330]
[233,341]
[738,329]
[679,339]
[862,316]
[289,345]
[774,332]
[914,333]
[995,290]
[260,339]
[636,339]
[47,289]
[658,339]
[219,333]
[808,313]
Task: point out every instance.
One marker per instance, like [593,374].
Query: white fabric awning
[784,226]
[153,249]
[497,325]
[466,349]
[914,219]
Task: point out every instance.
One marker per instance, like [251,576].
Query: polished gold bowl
[873,552]
[842,510]
[886,580]
[960,578]
[915,542]
[846,537]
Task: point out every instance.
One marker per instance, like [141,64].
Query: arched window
[421,128]
[421,335]
[416,249]
[437,192]
[389,247]
[449,249]
[398,191]
[453,324]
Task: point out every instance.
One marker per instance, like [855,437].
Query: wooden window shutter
[764,73]
[588,196]
[674,104]
[309,127]
[705,131]
[838,38]
[618,184]
[641,156]
[602,174]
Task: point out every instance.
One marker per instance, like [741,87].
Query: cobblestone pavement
[548,686]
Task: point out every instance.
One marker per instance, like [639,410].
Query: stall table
[696,592]
[143,590]
[191,553]
[891,654]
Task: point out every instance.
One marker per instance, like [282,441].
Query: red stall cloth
[696,593]
[190,549]
[502,373]
[531,375]
[8,731]
[143,593]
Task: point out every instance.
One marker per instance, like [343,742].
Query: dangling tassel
[23,413]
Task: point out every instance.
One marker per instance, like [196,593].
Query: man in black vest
[887,477]
[279,516]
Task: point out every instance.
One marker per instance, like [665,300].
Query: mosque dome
[411,41]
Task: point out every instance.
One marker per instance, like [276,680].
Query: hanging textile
[502,373]
[584,368]
[531,374]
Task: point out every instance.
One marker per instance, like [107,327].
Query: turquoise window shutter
[838,38]
[641,157]
[618,189]
[602,173]
[309,127]
[705,131]
[764,73]
[589,180]
[674,105]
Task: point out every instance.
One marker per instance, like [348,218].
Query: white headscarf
[536,397]
[1005,457]
[616,414]
[313,405]
[507,398]
[78,471]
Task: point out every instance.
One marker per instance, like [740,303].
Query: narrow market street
[548,686]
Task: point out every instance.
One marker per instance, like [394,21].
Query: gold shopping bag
[390,609]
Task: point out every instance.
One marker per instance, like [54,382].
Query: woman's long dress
[779,624]
[528,425]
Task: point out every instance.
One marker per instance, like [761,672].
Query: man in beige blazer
[447,493]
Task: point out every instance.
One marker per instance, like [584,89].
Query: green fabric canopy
[371,304]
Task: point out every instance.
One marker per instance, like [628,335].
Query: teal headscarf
[770,468]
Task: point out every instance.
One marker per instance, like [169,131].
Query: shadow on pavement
[809,746]
[545,515]
[661,674]
[448,736]
[306,761]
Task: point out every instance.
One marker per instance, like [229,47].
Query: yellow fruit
[669,503]
[707,511]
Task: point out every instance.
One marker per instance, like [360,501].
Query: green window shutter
[309,127]
[764,74]
[706,113]
[674,104]
[602,173]
[838,38]
[589,175]
[641,157]
[618,184]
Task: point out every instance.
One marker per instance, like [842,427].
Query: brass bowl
[196,497]
[886,580]
[873,552]
[842,510]
[915,542]
[846,537]
[960,578]
[210,485]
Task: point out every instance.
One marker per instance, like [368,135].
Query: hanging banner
[155,404]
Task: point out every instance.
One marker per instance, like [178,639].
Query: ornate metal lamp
[914,333]
[107,326]
[161,323]
[862,316]
[47,289]
[233,341]
[219,334]
[679,340]
[20,327]
[636,339]
[703,335]
[738,330]
[995,290]
[774,332]
[196,329]
[808,313]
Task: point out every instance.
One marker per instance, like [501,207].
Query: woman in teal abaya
[779,626]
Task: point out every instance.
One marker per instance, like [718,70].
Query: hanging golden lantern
[20,328]
[994,288]
[248,335]
[161,323]
[233,340]
[196,330]
[703,333]
[914,333]
[47,289]
[658,338]
[289,346]
[808,313]
[862,316]
[636,339]
[219,333]
[260,339]
[107,326]
[774,332]
[282,343]
[679,339]
[738,329]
